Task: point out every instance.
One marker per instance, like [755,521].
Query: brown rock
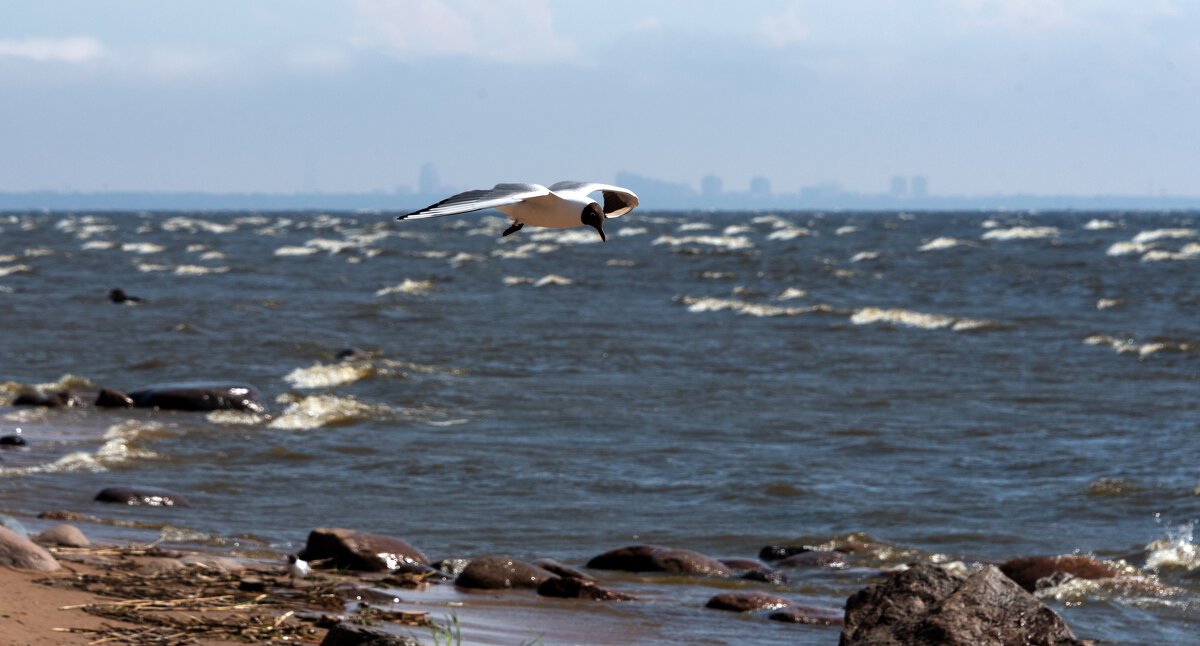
[141,496]
[572,588]
[633,558]
[60,399]
[561,570]
[355,550]
[109,398]
[498,573]
[815,558]
[63,535]
[20,552]
[746,602]
[809,615]
[928,606]
[689,562]
[1034,572]
[200,396]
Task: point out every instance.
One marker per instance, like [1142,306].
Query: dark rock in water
[780,552]
[140,496]
[453,567]
[766,575]
[60,399]
[689,562]
[1036,572]
[815,558]
[809,615]
[348,634]
[350,354]
[10,441]
[928,606]
[63,515]
[633,558]
[64,536]
[355,550]
[200,396]
[120,297]
[19,552]
[746,602]
[498,573]
[573,588]
[561,570]
[743,565]
[109,398]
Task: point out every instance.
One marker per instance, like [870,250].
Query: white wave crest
[142,247]
[939,243]
[198,270]
[694,226]
[709,304]
[1125,248]
[1163,234]
[864,255]
[790,293]
[327,410]
[409,286]
[729,242]
[1175,551]
[789,233]
[1129,346]
[15,269]
[584,235]
[296,251]
[553,279]
[1021,233]
[329,376]
[896,316]
[1107,303]
[195,225]
[1098,225]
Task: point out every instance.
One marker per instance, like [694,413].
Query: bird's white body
[297,568]
[562,206]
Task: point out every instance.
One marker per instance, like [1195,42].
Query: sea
[953,387]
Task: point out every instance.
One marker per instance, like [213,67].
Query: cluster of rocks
[190,396]
[924,605]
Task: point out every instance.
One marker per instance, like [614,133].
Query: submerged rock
[11,441]
[498,573]
[808,615]
[561,570]
[200,396]
[815,558]
[1036,572]
[652,558]
[573,588]
[60,399]
[20,552]
[109,398]
[141,496]
[929,606]
[780,552]
[354,550]
[747,602]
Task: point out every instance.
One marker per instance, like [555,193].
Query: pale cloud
[318,58]
[76,49]
[180,64]
[509,31]
[787,28]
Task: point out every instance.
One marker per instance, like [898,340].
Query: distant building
[760,187]
[711,186]
[898,187]
[918,186]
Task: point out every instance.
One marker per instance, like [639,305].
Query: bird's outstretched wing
[617,200]
[499,195]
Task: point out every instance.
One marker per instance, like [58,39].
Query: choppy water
[954,386]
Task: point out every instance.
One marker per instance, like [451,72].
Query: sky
[981,97]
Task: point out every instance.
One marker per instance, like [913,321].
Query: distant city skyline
[980,97]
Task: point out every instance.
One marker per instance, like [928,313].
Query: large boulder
[565,587]
[632,558]
[929,606]
[141,496]
[652,558]
[354,550]
[60,399]
[20,552]
[200,396]
[747,602]
[498,573]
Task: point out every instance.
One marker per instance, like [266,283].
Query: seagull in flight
[562,206]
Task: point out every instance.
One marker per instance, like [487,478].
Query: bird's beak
[600,227]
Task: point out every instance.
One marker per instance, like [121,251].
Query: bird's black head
[593,217]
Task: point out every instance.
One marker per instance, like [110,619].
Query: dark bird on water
[562,206]
[119,296]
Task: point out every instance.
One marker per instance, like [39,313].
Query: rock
[19,552]
[743,565]
[200,396]
[60,399]
[498,573]
[252,584]
[141,496]
[928,606]
[63,535]
[109,398]
[13,441]
[633,558]
[808,615]
[746,602]
[766,575]
[780,552]
[815,558]
[561,570]
[355,550]
[453,567]
[689,562]
[573,588]
[348,634]
[63,515]
[1036,572]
